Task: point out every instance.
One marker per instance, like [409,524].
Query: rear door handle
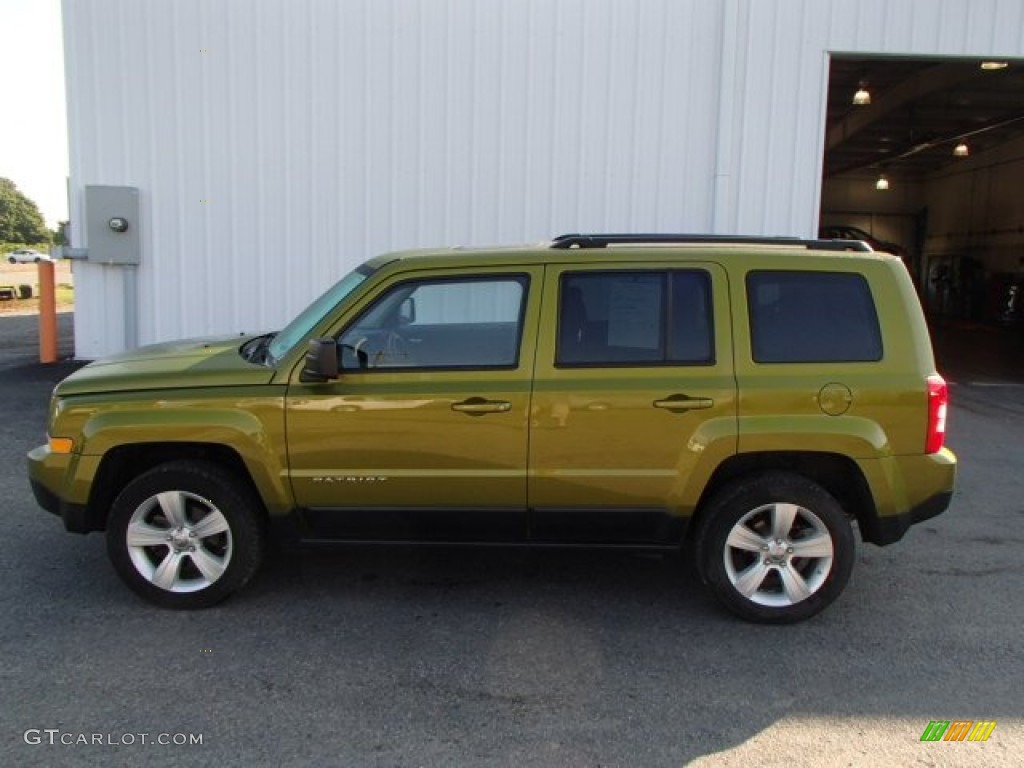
[678,403]
[477,406]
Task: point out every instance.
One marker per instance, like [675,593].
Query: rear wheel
[185,534]
[776,547]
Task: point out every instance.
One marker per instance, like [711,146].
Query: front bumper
[48,473]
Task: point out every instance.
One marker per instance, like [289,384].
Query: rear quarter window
[812,317]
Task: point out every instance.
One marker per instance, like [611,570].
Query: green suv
[748,400]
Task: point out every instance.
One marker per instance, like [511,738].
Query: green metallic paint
[248,419]
[176,365]
[598,441]
[573,438]
[399,425]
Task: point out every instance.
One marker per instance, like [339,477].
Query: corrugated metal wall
[277,143]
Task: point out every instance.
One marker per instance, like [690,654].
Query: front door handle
[676,403]
[477,406]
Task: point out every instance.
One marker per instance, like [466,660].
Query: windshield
[307,319]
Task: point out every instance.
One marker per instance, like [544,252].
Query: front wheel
[185,535]
[776,547]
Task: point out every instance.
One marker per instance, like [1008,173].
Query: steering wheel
[357,349]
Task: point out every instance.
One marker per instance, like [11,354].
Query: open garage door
[925,157]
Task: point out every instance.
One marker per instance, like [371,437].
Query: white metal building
[277,143]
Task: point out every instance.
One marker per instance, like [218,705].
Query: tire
[185,535]
[11,260]
[775,548]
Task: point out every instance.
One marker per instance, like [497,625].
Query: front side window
[635,318]
[466,322]
[812,317]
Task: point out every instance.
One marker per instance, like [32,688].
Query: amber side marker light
[61,445]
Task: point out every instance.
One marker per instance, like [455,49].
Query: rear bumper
[917,487]
[888,530]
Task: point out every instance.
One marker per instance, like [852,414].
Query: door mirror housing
[321,361]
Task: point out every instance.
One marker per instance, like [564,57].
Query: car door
[634,399]
[424,434]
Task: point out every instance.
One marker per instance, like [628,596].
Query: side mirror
[321,361]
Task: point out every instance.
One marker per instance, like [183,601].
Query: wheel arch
[122,464]
[837,474]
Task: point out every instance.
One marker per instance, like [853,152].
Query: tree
[20,220]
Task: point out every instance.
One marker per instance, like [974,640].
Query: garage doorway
[923,157]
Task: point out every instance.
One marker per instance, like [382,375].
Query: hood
[212,362]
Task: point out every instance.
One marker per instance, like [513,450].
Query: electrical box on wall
[112,224]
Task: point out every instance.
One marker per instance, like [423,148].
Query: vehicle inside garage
[924,157]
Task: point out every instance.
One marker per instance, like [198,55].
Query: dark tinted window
[635,318]
[812,317]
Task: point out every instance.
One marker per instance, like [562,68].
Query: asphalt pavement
[422,657]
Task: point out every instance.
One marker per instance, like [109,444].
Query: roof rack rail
[576,240]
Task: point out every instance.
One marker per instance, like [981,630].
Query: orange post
[47,312]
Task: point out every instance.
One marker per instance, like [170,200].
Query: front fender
[252,427]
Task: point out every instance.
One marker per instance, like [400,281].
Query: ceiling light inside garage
[961,150]
[882,184]
[990,65]
[862,97]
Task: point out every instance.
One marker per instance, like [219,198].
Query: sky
[33,122]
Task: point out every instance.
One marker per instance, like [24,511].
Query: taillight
[938,402]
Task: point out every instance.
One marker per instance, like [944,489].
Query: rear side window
[812,317]
[635,318]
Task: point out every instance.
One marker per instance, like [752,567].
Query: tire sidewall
[740,498]
[208,482]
